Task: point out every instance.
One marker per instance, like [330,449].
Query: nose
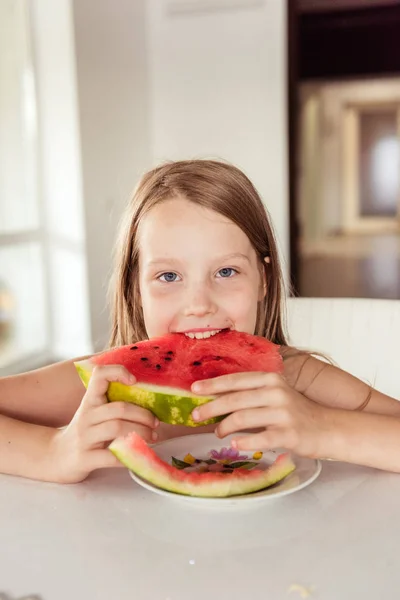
[198,301]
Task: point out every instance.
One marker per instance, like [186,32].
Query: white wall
[218,89]
[154,87]
[112,72]
[125,85]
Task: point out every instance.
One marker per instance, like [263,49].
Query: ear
[263,282]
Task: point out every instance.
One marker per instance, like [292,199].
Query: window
[24,326]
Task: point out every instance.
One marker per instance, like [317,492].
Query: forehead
[180,227]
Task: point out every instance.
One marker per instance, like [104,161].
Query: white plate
[199,445]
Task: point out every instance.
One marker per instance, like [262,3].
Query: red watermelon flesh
[166,367]
[176,360]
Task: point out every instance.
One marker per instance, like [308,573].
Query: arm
[370,438]
[365,439]
[330,386]
[284,417]
[48,396]
[69,454]
[24,449]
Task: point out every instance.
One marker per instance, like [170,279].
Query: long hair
[215,185]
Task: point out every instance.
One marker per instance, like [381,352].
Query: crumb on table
[305,592]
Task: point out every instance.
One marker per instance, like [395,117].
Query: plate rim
[249,498]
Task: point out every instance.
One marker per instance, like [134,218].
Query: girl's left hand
[264,400]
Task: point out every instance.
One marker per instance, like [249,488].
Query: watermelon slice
[166,367]
[138,457]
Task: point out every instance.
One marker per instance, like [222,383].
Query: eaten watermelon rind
[133,452]
[169,405]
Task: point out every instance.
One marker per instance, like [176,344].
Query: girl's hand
[264,400]
[82,446]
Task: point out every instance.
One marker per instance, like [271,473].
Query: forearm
[49,396]
[25,449]
[362,438]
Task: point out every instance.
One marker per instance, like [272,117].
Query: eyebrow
[235,255]
[163,261]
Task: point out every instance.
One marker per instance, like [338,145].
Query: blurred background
[303,95]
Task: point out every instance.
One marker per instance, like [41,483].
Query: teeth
[201,335]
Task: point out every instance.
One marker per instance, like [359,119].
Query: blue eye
[227,272]
[169,277]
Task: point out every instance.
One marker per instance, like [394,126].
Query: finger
[266,440]
[103,459]
[110,430]
[235,382]
[100,380]
[249,419]
[228,403]
[124,411]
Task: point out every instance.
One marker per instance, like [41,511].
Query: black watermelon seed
[158,366]
[196,363]
[144,358]
[169,352]
[134,348]
[167,358]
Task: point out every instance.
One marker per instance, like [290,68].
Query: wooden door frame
[352,222]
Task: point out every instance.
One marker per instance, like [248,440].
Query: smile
[201,335]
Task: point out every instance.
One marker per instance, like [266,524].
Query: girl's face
[198,272]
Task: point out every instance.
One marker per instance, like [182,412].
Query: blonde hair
[214,185]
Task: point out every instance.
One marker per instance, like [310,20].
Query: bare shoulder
[299,366]
[324,382]
[47,396]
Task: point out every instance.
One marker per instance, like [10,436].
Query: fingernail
[154,436]
[196,387]
[234,444]
[131,379]
[195,415]
[156,422]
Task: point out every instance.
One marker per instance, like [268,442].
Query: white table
[109,539]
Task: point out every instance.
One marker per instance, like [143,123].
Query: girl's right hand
[81,447]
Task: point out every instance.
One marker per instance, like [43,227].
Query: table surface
[109,538]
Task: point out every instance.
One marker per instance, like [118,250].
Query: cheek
[157,311]
[241,306]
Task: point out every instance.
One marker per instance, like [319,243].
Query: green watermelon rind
[133,452]
[169,405]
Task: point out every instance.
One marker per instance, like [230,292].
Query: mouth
[202,334]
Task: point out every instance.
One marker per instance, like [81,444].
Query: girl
[196,255]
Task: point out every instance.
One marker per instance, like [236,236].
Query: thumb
[101,378]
